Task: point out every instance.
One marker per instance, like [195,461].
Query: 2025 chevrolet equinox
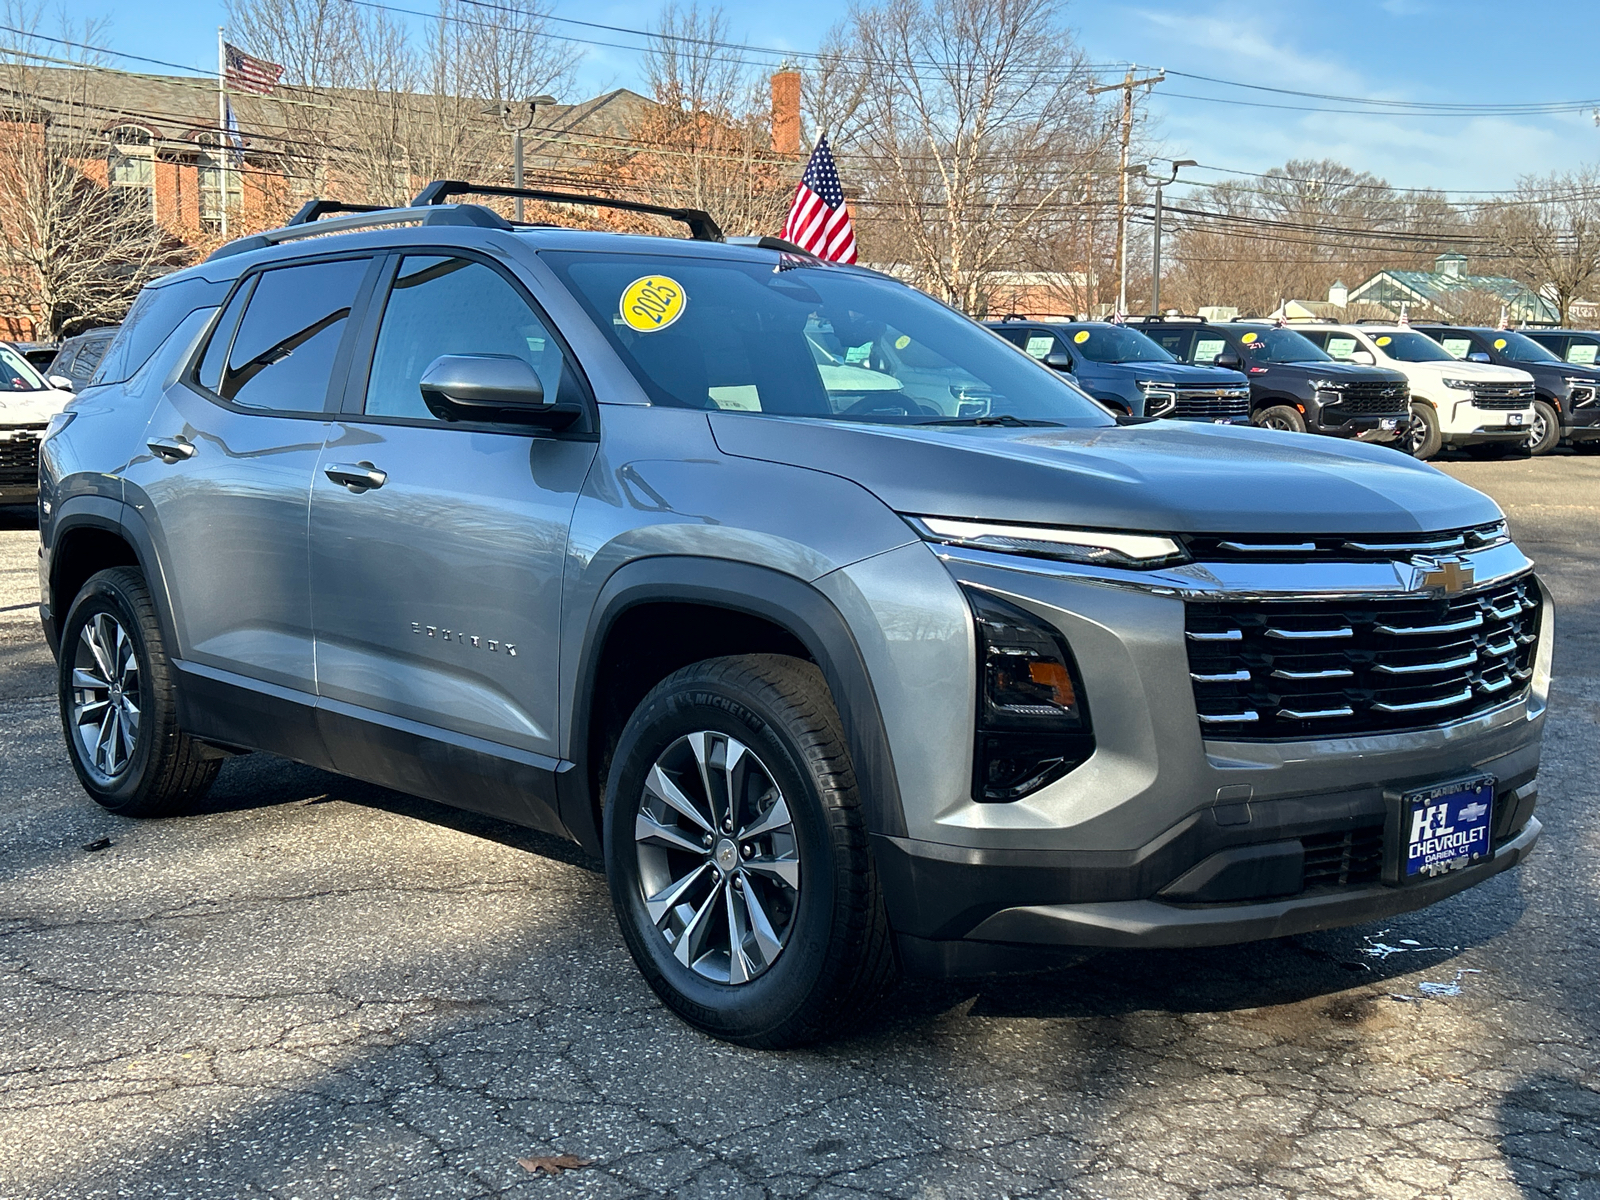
[851,638]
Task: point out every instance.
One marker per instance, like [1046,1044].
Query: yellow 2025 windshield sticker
[652,303]
[1248,339]
[1081,336]
[1385,340]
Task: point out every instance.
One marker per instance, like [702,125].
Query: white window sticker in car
[1456,347]
[1205,349]
[1582,355]
[652,303]
[743,397]
[1341,347]
[1039,346]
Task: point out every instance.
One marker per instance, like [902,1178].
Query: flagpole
[222,130]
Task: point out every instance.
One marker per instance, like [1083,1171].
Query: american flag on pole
[818,220]
[246,73]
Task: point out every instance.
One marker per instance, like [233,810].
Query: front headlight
[1464,384]
[1033,721]
[1140,551]
[1327,397]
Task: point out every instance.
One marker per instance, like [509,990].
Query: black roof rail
[770,243]
[454,214]
[1171,318]
[702,227]
[312,209]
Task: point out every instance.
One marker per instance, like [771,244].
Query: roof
[1447,292]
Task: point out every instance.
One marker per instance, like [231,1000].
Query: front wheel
[1281,416]
[737,856]
[118,706]
[1545,434]
[1420,438]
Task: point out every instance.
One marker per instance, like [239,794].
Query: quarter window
[444,305]
[282,356]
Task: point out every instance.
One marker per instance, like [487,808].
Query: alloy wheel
[1412,435]
[719,865]
[105,697]
[1539,431]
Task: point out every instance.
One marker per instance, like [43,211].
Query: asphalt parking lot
[314,988]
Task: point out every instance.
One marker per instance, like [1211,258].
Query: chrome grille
[1276,670]
[1207,404]
[19,456]
[1344,547]
[1500,397]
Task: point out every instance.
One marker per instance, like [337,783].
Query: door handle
[358,477]
[171,450]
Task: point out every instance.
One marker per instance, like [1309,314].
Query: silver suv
[850,637]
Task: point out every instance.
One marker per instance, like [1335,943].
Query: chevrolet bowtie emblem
[1451,576]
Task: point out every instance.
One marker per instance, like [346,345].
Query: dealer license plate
[1446,827]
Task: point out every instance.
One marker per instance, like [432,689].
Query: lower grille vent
[1344,859]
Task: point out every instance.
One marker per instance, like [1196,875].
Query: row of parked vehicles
[37,379]
[1420,388]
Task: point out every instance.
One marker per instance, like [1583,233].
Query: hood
[1166,476]
[1183,373]
[1487,372]
[1344,372]
[32,408]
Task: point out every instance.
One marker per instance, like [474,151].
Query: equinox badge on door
[466,639]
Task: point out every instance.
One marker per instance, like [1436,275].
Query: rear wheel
[1281,416]
[1545,434]
[1420,438]
[737,856]
[118,707]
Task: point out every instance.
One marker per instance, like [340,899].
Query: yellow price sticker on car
[1248,338]
[652,303]
[1385,340]
[1081,336]
[1499,343]
[901,342]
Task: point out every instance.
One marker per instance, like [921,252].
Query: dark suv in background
[1566,404]
[1577,346]
[1294,385]
[1122,368]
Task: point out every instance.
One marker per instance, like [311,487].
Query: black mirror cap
[492,388]
[1228,362]
[1478,356]
[1058,360]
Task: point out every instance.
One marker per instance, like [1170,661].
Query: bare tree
[1549,230]
[973,129]
[75,247]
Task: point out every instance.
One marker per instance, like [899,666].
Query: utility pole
[517,129]
[1155,248]
[1129,82]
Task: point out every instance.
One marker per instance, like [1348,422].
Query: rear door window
[1457,345]
[151,320]
[1582,352]
[1341,345]
[281,357]
[1206,348]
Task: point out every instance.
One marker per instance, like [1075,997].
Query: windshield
[1114,344]
[1281,346]
[798,339]
[17,374]
[1410,346]
[1519,347]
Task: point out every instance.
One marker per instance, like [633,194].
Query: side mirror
[1364,357]
[1478,356]
[1228,362]
[1058,360]
[490,387]
[61,382]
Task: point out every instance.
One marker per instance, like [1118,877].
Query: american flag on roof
[246,73]
[818,220]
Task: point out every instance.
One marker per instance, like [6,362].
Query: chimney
[1338,294]
[786,110]
[1453,265]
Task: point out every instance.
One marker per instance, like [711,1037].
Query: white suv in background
[1453,403]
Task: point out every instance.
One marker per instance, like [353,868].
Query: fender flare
[122,519]
[786,601]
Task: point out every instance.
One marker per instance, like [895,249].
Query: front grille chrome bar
[1460,697]
[1449,664]
[1225,635]
[1316,714]
[1330,673]
[1238,718]
[1472,622]
[1433,547]
[1222,677]
[1311,635]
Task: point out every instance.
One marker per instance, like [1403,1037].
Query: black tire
[1545,435]
[1281,416]
[837,954]
[164,771]
[1420,437]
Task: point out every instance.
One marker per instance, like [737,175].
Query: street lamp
[1122,248]
[1155,265]
[517,129]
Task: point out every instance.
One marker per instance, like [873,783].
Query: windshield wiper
[1003,419]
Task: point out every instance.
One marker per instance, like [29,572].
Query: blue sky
[1414,50]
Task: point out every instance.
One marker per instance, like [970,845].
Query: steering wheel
[903,405]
